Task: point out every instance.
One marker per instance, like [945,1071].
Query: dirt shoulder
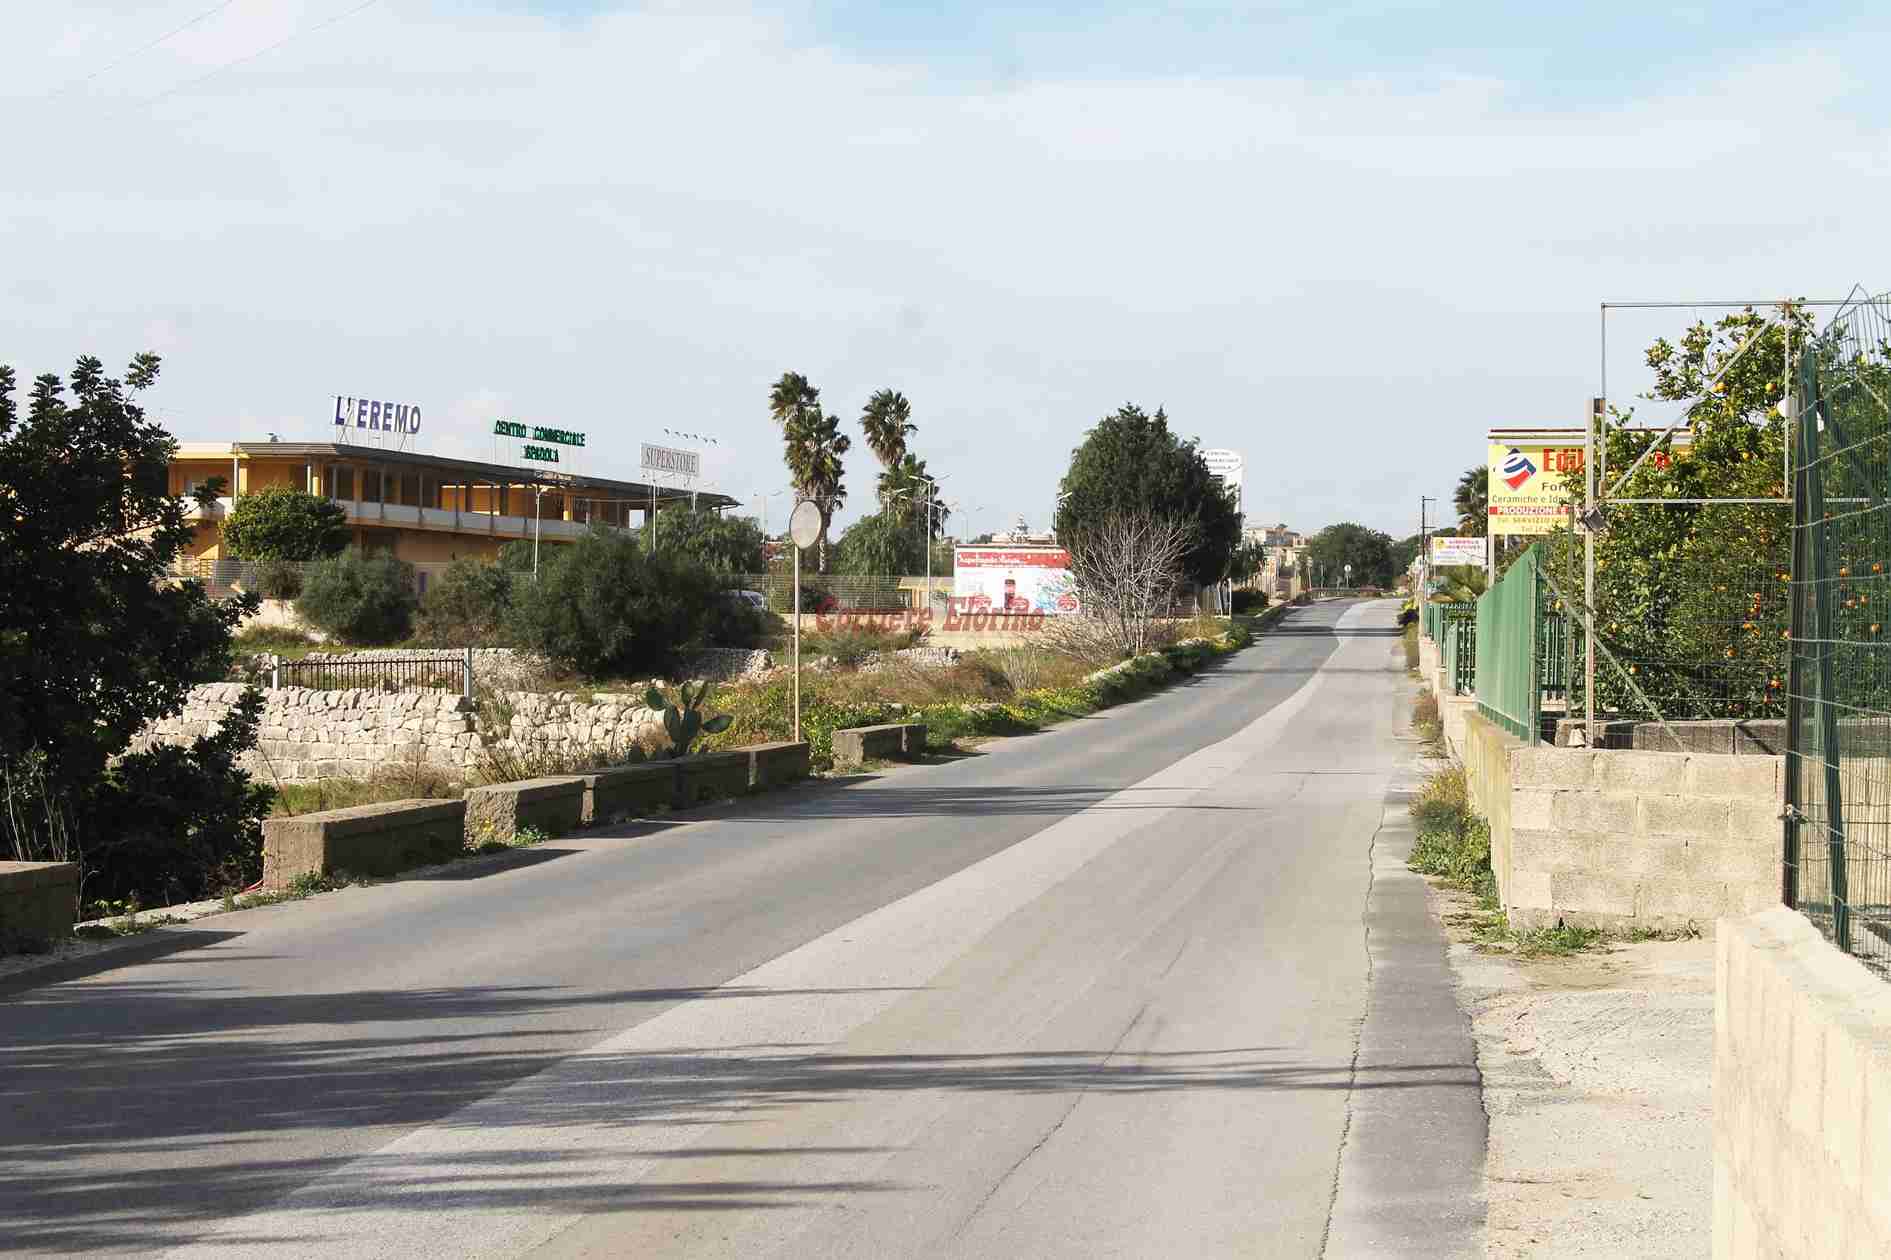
[1597,1071]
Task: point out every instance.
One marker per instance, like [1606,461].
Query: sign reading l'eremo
[670,460]
[376,416]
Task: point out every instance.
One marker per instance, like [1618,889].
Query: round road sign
[805,525]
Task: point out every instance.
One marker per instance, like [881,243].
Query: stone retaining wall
[308,735]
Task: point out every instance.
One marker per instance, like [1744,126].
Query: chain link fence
[1838,691]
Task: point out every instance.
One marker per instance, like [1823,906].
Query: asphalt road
[1151,984]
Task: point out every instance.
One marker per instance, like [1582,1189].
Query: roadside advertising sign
[1529,484]
[1013,580]
[1450,549]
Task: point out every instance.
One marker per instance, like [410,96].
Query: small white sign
[670,460]
[1448,550]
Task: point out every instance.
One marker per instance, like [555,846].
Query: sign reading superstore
[538,434]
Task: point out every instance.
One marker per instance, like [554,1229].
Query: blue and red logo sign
[1517,468]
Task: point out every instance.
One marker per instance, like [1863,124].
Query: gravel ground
[1598,1073]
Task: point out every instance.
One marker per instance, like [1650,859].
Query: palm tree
[1472,501]
[812,448]
[885,421]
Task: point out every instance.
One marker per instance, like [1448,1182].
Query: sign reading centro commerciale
[537,434]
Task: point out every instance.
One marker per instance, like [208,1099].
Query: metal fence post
[467,676]
[275,671]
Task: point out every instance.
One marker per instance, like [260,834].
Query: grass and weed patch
[1426,722]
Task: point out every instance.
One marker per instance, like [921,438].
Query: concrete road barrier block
[771,765]
[857,745]
[711,776]
[627,791]
[552,805]
[36,903]
[378,839]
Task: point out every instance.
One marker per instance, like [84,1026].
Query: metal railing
[432,672]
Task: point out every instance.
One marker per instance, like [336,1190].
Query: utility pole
[1589,521]
[1424,550]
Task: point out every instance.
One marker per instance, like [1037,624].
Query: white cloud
[641,219]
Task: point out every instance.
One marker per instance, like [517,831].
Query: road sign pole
[804,527]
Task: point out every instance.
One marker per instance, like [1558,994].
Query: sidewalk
[1597,1075]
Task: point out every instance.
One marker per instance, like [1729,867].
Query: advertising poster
[1013,580]
[1449,550]
[1529,486]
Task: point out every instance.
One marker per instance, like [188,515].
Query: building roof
[471,469]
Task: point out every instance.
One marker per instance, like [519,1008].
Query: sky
[1342,239]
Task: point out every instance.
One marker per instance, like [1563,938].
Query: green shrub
[278,579]
[178,822]
[284,524]
[470,605]
[603,608]
[1246,601]
[360,597]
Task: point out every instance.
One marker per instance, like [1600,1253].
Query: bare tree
[1128,569]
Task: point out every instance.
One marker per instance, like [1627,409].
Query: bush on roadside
[1247,601]
[360,597]
[603,608]
[1452,841]
[470,605]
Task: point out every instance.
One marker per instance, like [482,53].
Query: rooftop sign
[537,434]
[375,416]
[670,460]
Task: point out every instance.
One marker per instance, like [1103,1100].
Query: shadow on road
[130,1109]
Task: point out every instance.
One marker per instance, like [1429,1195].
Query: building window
[341,483]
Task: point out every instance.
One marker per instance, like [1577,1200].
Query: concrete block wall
[1802,1095]
[1618,839]
[37,900]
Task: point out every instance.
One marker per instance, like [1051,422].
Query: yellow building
[429,510]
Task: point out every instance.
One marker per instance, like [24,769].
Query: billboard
[1013,579]
[1448,550]
[1529,486]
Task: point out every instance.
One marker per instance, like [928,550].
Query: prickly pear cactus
[684,721]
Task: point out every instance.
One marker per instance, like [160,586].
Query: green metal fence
[1509,626]
[1837,859]
[1458,647]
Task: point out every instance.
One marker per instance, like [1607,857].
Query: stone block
[711,776]
[1672,903]
[1641,773]
[377,839]
[627,791]
[1533,807]
[1745,777]
[1682,816]
[37,900]
[1527,890]
[1843,1122]
[1593,893]
[913,739]
[856,745]
[1596,812]
[771,765]
[553,805]
[1551,767]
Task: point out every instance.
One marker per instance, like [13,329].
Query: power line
[138,52]
[249,57]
